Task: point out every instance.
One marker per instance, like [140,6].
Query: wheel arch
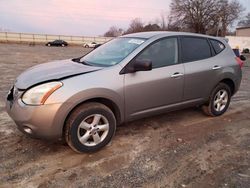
[230,83]
[107,102]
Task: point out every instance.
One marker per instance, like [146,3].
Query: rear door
[202,69]
[149,92]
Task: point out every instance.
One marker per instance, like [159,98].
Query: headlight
[39,94]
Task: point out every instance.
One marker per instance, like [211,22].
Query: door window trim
[199,37]
[149,45]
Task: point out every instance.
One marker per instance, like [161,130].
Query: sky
[79,17]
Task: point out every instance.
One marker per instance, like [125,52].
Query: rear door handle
[216,67]
[176,75]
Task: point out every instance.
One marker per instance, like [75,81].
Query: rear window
[217,46]
[194,48]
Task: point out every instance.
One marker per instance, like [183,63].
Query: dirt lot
[178,149]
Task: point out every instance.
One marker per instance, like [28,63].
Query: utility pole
[219,28]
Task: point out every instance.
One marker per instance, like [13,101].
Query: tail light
[239,61]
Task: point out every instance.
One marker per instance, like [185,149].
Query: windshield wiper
[78,60]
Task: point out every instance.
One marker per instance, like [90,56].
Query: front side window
[112,52]
[161,53]
[194,49]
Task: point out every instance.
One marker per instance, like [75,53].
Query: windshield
[112,53]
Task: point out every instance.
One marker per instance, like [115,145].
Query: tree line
[212,17]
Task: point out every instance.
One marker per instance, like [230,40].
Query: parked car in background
[91,45]
[57,43]
[98,45]
[130,77]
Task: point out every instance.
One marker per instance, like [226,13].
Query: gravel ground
[178,149]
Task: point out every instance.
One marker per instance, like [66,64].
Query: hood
[52,71]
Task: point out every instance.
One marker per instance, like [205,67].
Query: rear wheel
[63,45]
[90,127]
[219,100]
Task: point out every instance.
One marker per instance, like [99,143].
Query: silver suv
[134,76]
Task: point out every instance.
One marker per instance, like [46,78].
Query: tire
[49,44]
[63,45]
[219,100]
[89,127]
[87,46]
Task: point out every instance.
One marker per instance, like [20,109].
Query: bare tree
[229,12]
[193,15]
[113,32]
[136,25]
[202,16]
[174,25]
[245,22]
[151,27]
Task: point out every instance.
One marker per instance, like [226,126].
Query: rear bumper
[36,121]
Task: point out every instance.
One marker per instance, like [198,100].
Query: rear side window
[194,48]
[217,46]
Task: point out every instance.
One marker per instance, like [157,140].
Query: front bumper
[36,121]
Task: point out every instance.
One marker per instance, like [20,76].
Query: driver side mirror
[137,65]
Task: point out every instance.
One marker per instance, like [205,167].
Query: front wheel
[90,127]
[219,100]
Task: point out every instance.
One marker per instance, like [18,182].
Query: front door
[150,92]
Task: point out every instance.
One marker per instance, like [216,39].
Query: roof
[239,28]
[147,35]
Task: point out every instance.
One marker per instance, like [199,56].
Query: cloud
[76,16]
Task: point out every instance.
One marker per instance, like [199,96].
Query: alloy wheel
[93,130]
[220,100]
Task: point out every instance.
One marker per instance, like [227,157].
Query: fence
[44,38]
[239,42]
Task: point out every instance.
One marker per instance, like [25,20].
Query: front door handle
[176,75]
[216,67]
